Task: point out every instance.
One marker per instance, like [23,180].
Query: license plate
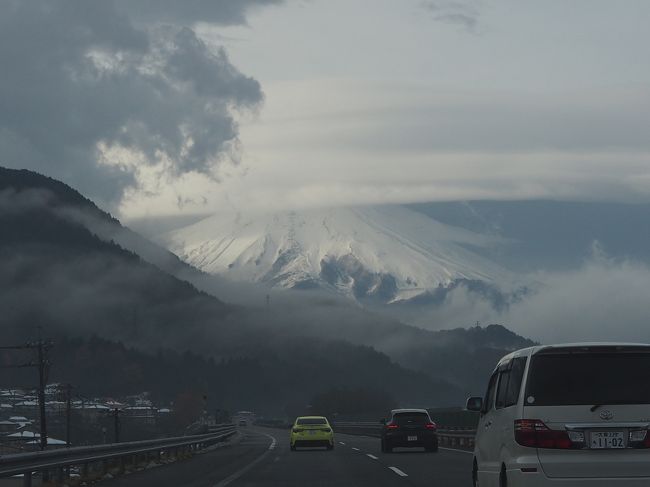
[412,438]
[312,432]
[607,439]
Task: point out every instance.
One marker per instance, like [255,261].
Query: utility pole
[205,409]
[42,363]
[42,379]
[68,414]
[116,421]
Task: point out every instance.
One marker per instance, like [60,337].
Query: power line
[15,347]
[42,363]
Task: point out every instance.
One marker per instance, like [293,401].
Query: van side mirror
[382,420]
[474,404]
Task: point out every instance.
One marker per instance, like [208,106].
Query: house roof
[50,441]
[24,434]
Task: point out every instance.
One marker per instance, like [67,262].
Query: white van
[566,415]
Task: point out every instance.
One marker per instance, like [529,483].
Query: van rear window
[581,378]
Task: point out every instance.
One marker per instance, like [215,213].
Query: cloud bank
[89,96]
[221,12]
[604,300]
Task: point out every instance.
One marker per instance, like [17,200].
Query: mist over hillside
[77,272]
[74,271]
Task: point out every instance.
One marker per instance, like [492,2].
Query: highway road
[260,457]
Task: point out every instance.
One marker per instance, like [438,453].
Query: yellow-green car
[311,431]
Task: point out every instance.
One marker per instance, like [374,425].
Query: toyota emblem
[606,415]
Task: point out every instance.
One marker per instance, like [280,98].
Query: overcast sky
[160,107]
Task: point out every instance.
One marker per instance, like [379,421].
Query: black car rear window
[308,421]
[582,378]
[411,418]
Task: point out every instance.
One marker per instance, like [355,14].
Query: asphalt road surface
[260,457]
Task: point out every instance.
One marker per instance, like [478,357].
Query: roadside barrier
[96,461]
[447,437]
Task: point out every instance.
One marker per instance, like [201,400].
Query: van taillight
[639,438]
[535,434]
[431,426]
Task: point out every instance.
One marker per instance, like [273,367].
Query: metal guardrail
[57,460]
[447,437]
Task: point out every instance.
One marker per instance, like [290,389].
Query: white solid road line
[455,449]
[236,475]
[398,472]
[372,456]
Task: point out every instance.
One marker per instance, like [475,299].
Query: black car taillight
[326,430]
[392,426]
[298,430]
[431,426]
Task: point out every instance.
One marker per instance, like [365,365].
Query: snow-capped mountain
[389,253]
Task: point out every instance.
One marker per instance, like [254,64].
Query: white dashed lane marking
[355,449]
[341,443]
[248,467]
[372,456]
[398,472]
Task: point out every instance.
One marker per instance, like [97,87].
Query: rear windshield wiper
[612,403]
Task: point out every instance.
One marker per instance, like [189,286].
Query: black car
[409,428]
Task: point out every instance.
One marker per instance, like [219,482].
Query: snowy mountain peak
[387,252]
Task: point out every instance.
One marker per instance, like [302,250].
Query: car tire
[432,449]
[388,447]
[330,447]
[475,474]
[292,447]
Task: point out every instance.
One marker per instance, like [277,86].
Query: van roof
[526,352]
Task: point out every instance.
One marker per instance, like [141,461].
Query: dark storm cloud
[222,12]
[77,74]
[464,14]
